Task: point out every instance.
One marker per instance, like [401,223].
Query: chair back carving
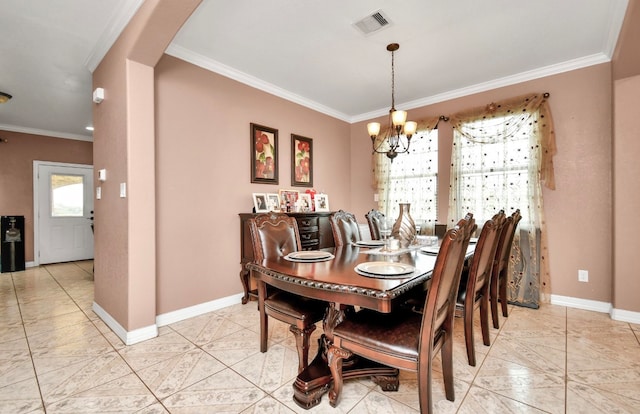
[273,235]
[374,217]
[345,228]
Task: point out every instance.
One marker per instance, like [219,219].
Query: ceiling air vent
[373,22]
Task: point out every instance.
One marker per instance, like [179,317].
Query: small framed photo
[273,201]
[305,202]
[301,161]
[290,197]
[321,202]
[264,154]
[260,203]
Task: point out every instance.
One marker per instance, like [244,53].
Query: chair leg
[264,320]
[302,344]
[468,333]
[503,294]
[424,387]
[446,353]
[493,294]
[334,359]
[484,317]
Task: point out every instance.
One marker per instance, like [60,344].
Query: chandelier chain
[393,82]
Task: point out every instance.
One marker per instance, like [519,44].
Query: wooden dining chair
[474,284]
[275,235]
[345,228]
[499,276]
[405,339]
[374,217]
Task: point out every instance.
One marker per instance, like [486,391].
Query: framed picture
[264,154]
[289,196]
[321,202]
[305,202]
[273,201]
[301,161]
[260,203]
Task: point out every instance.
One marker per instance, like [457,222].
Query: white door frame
[36,205]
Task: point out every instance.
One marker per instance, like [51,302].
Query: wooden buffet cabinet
[315,233]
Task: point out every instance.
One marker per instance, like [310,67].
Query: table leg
[315,380]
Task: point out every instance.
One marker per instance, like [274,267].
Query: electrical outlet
[583,275]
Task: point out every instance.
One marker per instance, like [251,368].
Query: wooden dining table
[345,290]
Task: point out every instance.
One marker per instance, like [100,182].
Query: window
[412,178]
[67,195]
[493,175]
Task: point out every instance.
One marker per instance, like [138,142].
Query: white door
[63,212]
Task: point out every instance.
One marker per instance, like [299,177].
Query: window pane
[413,178]
[67,195]
[493,175]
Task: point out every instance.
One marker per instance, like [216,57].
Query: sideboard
[315,233]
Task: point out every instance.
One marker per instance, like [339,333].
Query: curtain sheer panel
[502,155]
[410,178]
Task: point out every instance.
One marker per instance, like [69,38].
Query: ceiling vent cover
[372,23]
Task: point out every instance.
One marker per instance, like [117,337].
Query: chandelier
[399,132]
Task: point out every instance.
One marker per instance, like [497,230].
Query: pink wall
[203,175]
[578,212]
[124,138]
[16,172]
[626,194]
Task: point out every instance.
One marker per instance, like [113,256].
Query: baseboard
[597,306]
[128,337]
[586,304]
[197,310]
[625,316]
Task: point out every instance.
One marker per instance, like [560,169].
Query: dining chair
[374,217]
[405,339]
[344,227]
[499,276]
[473,291]
[275,235]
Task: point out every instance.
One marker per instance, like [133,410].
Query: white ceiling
[306,51]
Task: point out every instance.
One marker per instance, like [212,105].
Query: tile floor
[57,356]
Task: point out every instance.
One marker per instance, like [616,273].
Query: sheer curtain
[502,155]
[410,178]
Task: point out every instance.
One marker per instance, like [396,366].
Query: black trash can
[12,241]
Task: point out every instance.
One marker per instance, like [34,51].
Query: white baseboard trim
[197,310]
[128,337]
[597,306]
[625,316]
[30,264]
[586,304]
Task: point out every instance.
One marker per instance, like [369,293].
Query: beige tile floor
[57,356]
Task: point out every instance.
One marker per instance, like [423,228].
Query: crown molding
[229,72]
[53,134]
[494,84]
[618,12]
[125,11]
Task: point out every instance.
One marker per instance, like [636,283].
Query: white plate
[430,249]
[385,268]
[309,256]
[370,243]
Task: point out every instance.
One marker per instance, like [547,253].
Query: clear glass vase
[405,228]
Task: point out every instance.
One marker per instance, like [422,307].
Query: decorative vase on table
[404,229]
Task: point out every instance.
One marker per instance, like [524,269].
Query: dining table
[349,277]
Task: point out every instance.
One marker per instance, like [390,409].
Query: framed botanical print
[264,154]
[301,161]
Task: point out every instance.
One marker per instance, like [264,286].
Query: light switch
[98,193]
[123,190]
[102,175]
